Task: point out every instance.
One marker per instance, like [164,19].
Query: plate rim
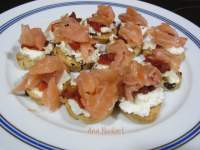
[6,125]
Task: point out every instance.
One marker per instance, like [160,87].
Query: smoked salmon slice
[132,15]
[51,96]
[74,32]
[123,56]
[86,50]
[162,55]
[166,37]
[28,82]
[139,76]
[164,27]
[49,64]
[69,29]
[32,38]
[132,34]
[46,71]
[98,91]
[63,21]
[22,86]
[104,15]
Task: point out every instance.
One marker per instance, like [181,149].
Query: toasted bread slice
[104,38]
[24,61]
[154,112]
[70,62]
[83,118]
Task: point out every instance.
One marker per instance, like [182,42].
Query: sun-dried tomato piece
[74,45]
[146,89]
[42,86]
[106,59]
[96,26]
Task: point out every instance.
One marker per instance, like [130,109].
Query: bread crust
[24,61]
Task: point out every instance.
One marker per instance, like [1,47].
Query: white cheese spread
[149,43]
[32,54]
[176,50]
[143,102]
[63,79]
[105,29]
[37,92]
[140,59]
[74,76]
[172,77]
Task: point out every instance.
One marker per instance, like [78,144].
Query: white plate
[178,122]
